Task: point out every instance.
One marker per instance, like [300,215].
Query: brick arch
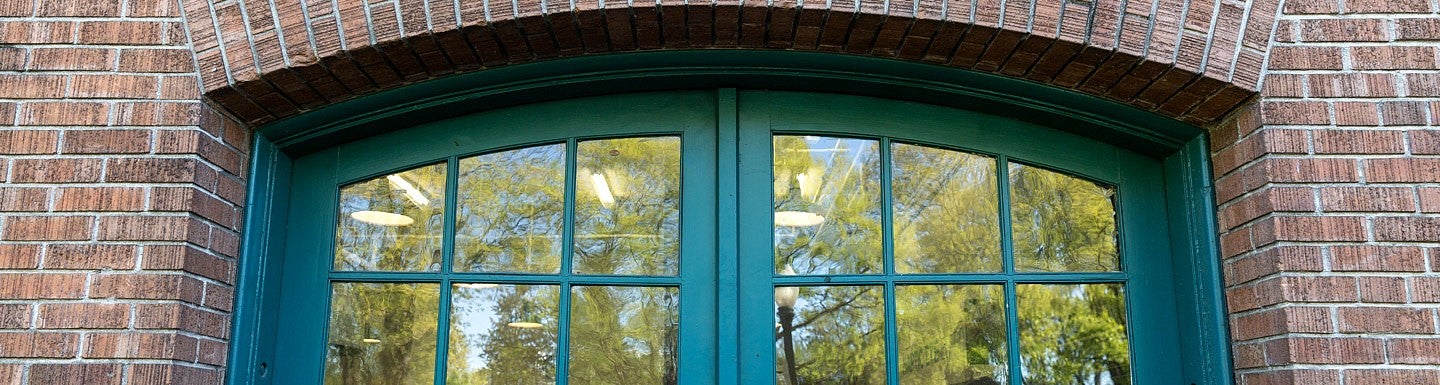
[1194,60]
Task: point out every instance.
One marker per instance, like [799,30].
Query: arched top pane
[827,205]
[510,211]
[1061,223]
[946,215]
[392,222]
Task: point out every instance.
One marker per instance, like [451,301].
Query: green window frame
[727,277]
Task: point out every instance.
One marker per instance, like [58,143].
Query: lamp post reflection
[785,298]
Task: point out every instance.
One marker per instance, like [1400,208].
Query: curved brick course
[1194,60]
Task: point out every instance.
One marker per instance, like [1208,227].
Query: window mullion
[892,339]
[447,254]
[567,250]
[1007,250]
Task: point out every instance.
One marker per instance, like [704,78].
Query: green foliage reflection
[382,334]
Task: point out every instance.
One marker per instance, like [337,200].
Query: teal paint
[739,125]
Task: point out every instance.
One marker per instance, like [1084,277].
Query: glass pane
[1073,334]
[382,333]
[830,335]
[1062,223]
[510,210]
[947,216]
[392,222]
[827,205]
[624,335]
[503,334]
[951,334]
[627,209]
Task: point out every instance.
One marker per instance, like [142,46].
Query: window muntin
[527,265]
[1070,329]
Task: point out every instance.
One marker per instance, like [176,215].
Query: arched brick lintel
[267,60]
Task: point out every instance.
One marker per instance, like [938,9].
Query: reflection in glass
[627,206]
[827,205]
[510,211]
[624,335]
[837,334]
[1061,223]
[503,334]
[392,222]
[951,334]
[382,333]
[1073,334]
[946,215]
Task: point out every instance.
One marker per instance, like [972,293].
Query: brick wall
[121,196]
[120,207]
[1330,202]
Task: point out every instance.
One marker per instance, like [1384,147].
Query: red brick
[32,86]
[48,228]
[157,60]
[182,317]
[151,170]
[1425,351]
[1360,85]
[114,86]
[1296,112]
[1359,142]
[1425,289]
[1430,199]
[1283,320]
[90,256]
[1381,289]
[15,315]
[1402,170]
[84,316]
[39,344]
[1387,6]
[1341,199]
[1412,229]
[1390,377]
[1327,30]
[21,142]
[1326,350]
[122,32]
[81,8]
[64,114]
[19,256]
[1385,320]
[75,373]
[140,345]
[106,141]
[1305,58]
[1377,258]
[189,259]
[56,170]
[147,286]
[101,199]
[1425,141]
[153,228]
[41,285]
[72,59]
[1417,29]
[24,198]
[1356,114]
[1392,57]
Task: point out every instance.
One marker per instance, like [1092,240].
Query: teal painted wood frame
[1182,170]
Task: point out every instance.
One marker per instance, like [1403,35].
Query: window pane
[510,211]
[946,211]
[392,222]
[1073,334]
[951,334]
[1062,223]
[627,209]
[827,205]
[831,335]
[382,333]
[624,335]
[503,334]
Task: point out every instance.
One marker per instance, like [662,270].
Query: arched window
[724,236]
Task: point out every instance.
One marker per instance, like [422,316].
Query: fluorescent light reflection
[797,219]
[524,325]
[602,190]
[382,218]
[478,285]
[411,192]
[370,341]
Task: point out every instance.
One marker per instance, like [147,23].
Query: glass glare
[946,212]
[830,335]
[382,333]
[503,334]
[951,334]
[1073,334]
[392,222]
[624,335]
[510,211]
[1061,223]
[627,206]
[827,205]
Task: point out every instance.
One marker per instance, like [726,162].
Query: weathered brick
[84,316]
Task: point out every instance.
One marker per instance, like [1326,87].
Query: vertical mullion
[447,254]
[892,340]
[727,233]
[1007,250]
[562,347]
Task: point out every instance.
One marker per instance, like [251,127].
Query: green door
[723,237]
